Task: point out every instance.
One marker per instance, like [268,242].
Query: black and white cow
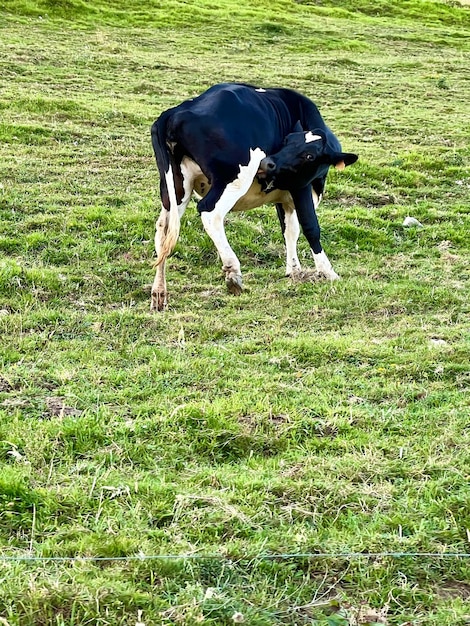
[238,147]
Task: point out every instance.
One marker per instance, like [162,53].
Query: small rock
[412,221]
[438,342]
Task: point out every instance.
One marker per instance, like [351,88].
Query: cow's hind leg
[159,293]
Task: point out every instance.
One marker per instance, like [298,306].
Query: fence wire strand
[237,559]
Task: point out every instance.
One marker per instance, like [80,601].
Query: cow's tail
[168,225]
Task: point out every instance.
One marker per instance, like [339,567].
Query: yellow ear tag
[340,165]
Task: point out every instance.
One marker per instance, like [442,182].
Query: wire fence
[237,559]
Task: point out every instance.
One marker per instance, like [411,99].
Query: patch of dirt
[56,407]
[454,589]
[251,424]
[293,471]
[366,615]
[306,276]
[279,419]
[209,293]
[390,311]
[5,386]
[15,403]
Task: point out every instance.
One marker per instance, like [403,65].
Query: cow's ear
[297,128]
[342,159]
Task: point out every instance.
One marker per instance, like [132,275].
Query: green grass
[298,418]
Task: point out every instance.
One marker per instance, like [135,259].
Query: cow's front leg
[323,266]
[213,223]
[214,207]
[305,207]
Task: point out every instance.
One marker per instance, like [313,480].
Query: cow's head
[305,156]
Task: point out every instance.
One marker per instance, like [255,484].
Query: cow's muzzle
[267,168]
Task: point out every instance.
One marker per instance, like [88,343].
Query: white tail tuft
[168,224]
[168,235]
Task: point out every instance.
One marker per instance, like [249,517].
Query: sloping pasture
[300,419]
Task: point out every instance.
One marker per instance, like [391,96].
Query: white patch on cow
[170,185]
[238,187]
[194,178]
[309,137]
[261,90]
[323,266]
[316,199]
[191,171]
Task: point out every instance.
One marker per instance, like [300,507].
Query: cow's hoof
[328,275]
[332,275]
[158,301]
[234,284]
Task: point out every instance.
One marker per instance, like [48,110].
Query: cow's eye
[309,157]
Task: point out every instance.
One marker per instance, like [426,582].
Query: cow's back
[229,119]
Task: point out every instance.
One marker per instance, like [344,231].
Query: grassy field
[298,419]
